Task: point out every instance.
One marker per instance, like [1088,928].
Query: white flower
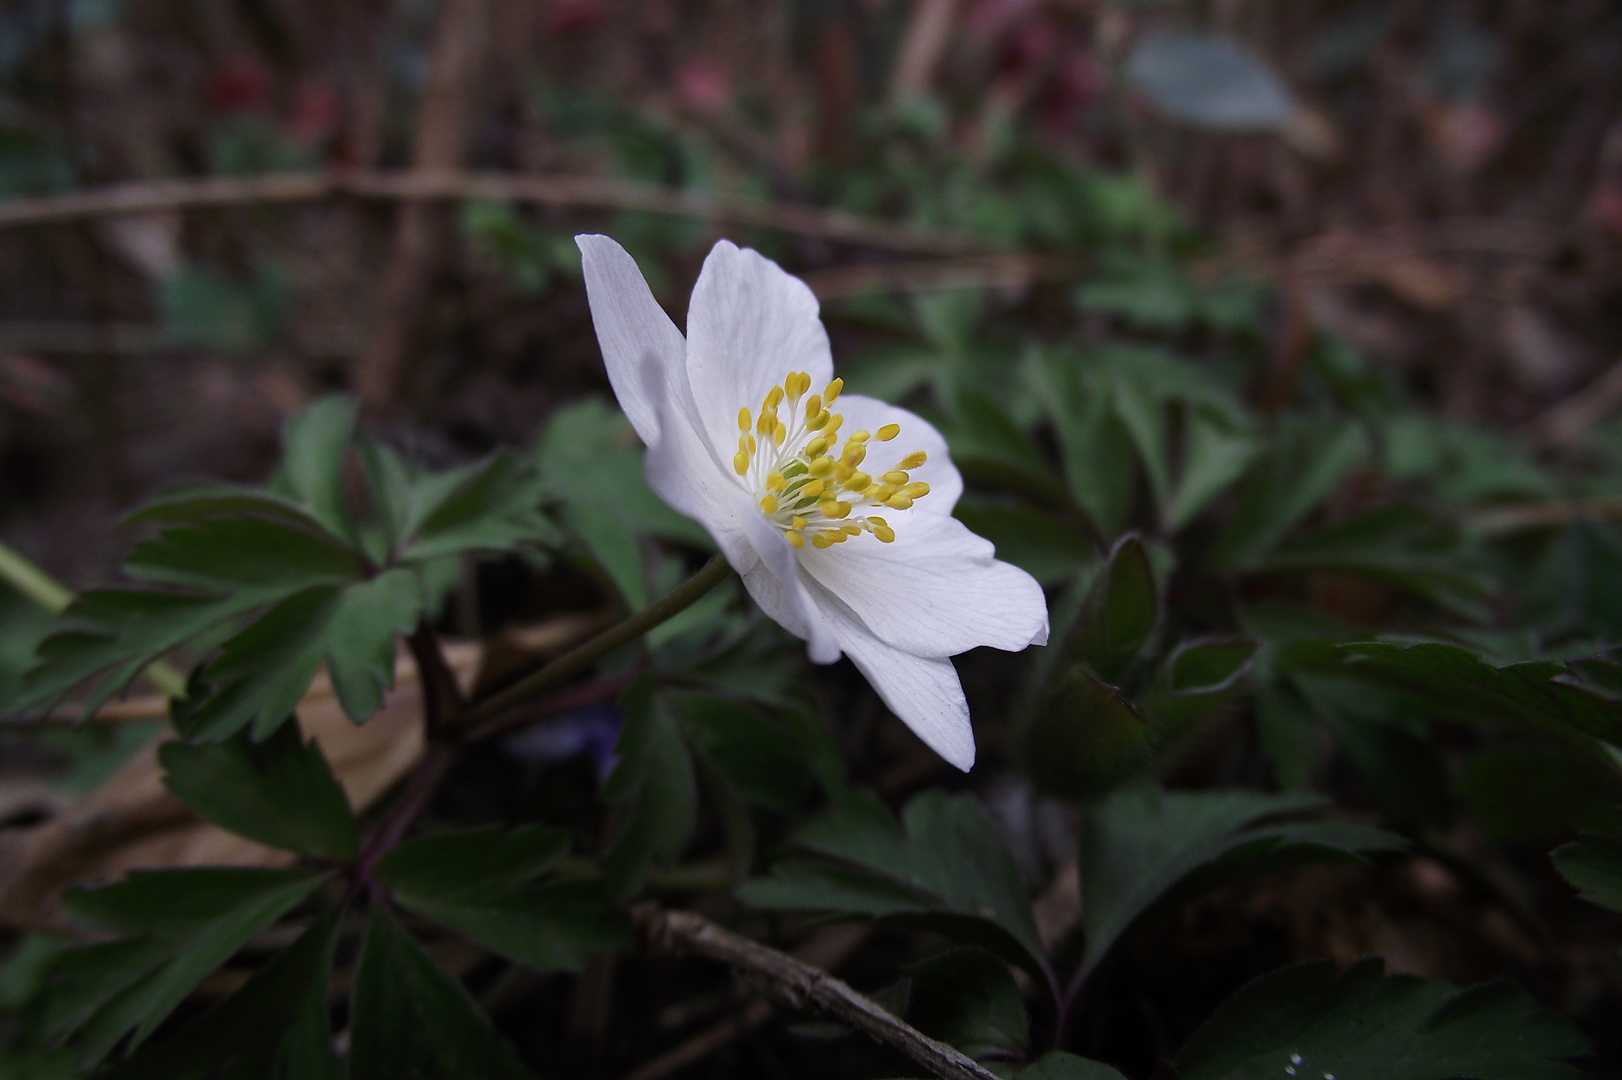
[839,522]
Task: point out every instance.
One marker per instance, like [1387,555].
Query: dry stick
[460,42]
[576,660]
[801,986]
[1565,422]
[576,192]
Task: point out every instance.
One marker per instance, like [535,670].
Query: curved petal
[776,586]
[945,485]
[641,346]
[923,691]
[749,323]
[936,591]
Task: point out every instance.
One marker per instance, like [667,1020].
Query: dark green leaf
[254,559]
[1594,865]
[185,923]
[968,998]
[1036,542]
[190,504]
[274,1028]
[263,671]
[987,444]
[474,862]
[1097,448]
[1523,794]
[412,1020]
[942,868]
[492,507]
[1059,1065]
[759,758]
[655,787]
[1198,678]
[1120,612]
[314,445]
[279,792]
[1305,1021]
[1085,738]
[1215,457]
[1138,846]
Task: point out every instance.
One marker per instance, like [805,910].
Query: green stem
[583,656]
[34,583]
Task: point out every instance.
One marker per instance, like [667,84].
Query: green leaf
[1535,794]
[1085,738]
[473,862]
[279,792]
[1096,447]
[1058,1065]
[1199,677]
[968,998]
[314,445]
[1360,1024]
[1120,612]
[756,754]
[254,559]
[654,785]
[491,507]
[183,923]
[1594,866]
[274,1028]
[1214,458]
[988,445]
[1307,461]
[943,868]
[263,671]
[1138,846]
[1036,542]
[190,504]
[411,1019]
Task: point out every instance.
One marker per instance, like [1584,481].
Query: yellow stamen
[877,522]
[834,508]
[815,447]
[780,434]
[916,490]
[898,502]
[743,419]
[914,459]
[817,421]
[769,504]
[799,522]
[830,394]
[843,472]
[767,421]
[859,436]
[774,482]
[773,397]
[858,482]
[897,478]
[821,466]
[883,492]
[740,462]
[795,539]
[813,405]
[833,424]
[888,432]
[885,534]
[854,453]
[820,540]
[838,537]
[851,530]
[813,489]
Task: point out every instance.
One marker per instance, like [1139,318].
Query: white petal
[776,586]
[641,346]
[749,324]
[870,414]
[936,591]
[924,692]
[683,470]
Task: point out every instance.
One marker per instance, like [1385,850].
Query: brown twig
[801,986]
[1013,270]
[574,192]
[1566,421]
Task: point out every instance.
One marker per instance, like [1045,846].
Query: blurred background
[1373,247]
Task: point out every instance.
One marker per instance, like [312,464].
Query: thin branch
[441,698]
[801,986]
[577,192]
[551,705]
[583,656]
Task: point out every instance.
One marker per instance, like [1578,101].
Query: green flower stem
[34,583]
[584,655]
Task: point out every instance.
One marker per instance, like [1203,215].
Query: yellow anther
[888,432]
[834,508]
[774,481]
[821,466]
[838,536]
[854,453]
[844,472]
[813,489]
[885,534]
[818,420]
[859,436]
[914,459]
[743,419]
[898,501]
[752,444]
[813,405]
[773,397]
[833,424]
[877,522]
[768,504]
[916,490]
[820,540]
[767,421]
[897,478]
[798,522]
[883,492]
[781,434]
[795,539]
[851,530]
[815,447]
[740,462]
[830,394]
[858,482]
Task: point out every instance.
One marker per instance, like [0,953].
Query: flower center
[808,483]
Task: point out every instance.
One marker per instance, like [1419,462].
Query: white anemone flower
[835,509]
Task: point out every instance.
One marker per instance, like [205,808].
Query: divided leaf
[655,787]
[1120,612]
[942,868]
[480,883]
[279,792]
[410,1018]
[1306,1021]
[181,925]
[1143,847]
[969,999]
[1594,866]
